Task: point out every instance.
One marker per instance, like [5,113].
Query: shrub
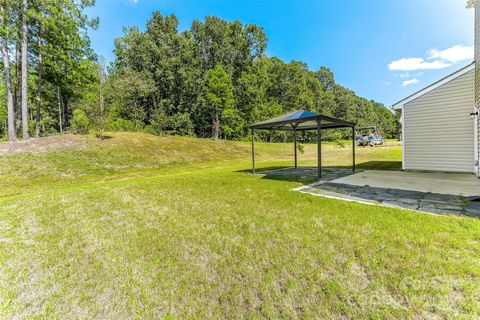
[119,124]
[32,126]
[159,122]
[47,125]
[150,130]
[181,124]
[80,122]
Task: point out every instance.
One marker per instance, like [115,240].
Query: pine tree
[4,7]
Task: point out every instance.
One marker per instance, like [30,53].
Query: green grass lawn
[145,227]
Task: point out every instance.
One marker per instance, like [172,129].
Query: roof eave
[399,105]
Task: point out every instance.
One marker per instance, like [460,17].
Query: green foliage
[211,80]
[216,79]
[119,124]
[80,122]
[159,121]
[180,124]
[31,127]
[220,102]
[47,123]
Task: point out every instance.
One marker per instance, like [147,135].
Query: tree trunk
[24,71]
[8,84]
[101,76]
[102,113]
[59,109]
[39,90]
[216,125]
[18,94]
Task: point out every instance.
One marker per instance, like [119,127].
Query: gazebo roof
[302,120]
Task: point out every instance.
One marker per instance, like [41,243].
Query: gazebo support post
[353,149]
[295,145]
[319,148]
[253,151]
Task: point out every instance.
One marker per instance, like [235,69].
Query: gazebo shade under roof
[302,120]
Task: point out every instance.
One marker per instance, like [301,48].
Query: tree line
[47,60]
[211,80]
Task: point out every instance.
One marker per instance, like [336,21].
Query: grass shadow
[375,165]
[104,137]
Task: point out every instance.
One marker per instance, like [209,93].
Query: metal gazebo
[302,120]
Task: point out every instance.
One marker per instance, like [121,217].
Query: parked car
[369,136]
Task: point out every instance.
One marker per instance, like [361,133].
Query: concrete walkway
[466,185]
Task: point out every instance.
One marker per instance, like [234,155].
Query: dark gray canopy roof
[302,120]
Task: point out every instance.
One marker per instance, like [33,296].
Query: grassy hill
[139,226]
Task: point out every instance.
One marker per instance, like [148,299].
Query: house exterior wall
[438,131]
[477,78]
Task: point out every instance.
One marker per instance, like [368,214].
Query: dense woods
[211,80]
[47,62]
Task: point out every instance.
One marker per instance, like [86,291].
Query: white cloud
[409,82]
[453,54]
[411,69]
[411,64]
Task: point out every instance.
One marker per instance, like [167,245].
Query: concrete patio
[440,193]
[461,184]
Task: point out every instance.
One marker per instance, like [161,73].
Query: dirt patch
[39,145]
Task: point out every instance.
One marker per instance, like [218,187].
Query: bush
[119,124]
[47,125]
[181,124]
[32,126]
[150,130]
[80,122]
[159,122]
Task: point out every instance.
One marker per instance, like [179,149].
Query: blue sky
[382,49]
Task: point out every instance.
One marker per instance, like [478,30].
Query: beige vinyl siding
[438,128]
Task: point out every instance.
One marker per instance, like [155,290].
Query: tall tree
[39,90]
[6,67]
[102,112]
[24,69]
[219,97]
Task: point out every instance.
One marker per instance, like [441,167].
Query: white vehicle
[369,136]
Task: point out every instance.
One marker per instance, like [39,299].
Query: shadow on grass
[104,137]
[380,165]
